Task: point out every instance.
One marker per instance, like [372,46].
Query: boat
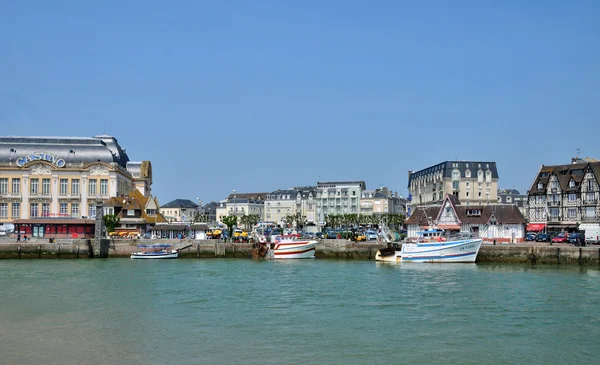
[285,247]
[433,246]
[160,251]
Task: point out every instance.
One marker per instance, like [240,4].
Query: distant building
[338,197]
[491,222]
[136,212]
[298,201]
[241,204]
[210,210]
[566,197]
[381,201]
[473,182]
[513,196]
[180,210]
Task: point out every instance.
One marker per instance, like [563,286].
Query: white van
[592,232]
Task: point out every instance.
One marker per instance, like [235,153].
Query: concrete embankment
[326,249]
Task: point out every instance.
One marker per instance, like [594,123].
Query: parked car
[530,236]
[371,235]
[561,238]
[576,238]
[542,237]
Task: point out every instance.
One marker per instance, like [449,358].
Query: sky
[264,95]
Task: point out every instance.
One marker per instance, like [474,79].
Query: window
[479,194]
[16,210]
[555,198]
[468,172]
[589,197]
[572,197]
[4,186]
[468,184]
[74,210]
[488,176]
[34,187]
[130,212]
[46,186]
[75,186]
[590,212]
[553,212]
[45,209]
[4,207]
[467,194]
[572,213]
[16,186]
[590,185]
[64,209]
[540,186]
[554,185]
[572,183]
[509,199]
[103,187]
[480,176]
[455,175]
[455,185]
[64,186]
[33,210]
[92,189]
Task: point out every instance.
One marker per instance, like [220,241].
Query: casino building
[49,185]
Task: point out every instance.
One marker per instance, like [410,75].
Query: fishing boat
[285,247]
[433,246]
[160,251]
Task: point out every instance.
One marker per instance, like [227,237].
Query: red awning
[535,227]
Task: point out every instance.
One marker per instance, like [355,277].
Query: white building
[338,197]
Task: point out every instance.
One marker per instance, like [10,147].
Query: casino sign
[41,156]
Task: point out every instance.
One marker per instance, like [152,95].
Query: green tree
[200,218]
[230,221]
[110,222]
[289,220]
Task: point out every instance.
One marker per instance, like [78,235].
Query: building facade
[63,177]
[473,182]
[338,197]
[565,197]
[180,210]
[241,204]
[490,222]
[381,201]
[299,202]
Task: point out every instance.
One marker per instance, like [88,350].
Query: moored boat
[286,247]
[155,252]
[433,246]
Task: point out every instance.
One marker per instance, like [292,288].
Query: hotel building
[338,197]
[45,178]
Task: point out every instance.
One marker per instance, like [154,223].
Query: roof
[180,203]
[251,196]
[503,213]
[136,201]
[564,174]
[71,149]
[446,168]
[361,183]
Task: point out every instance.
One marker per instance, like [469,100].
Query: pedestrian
[25,237]
[19,237]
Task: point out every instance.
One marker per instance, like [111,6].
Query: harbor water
[237,311]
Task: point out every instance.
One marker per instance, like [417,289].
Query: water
[222,311]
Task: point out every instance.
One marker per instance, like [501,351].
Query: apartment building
[338,197]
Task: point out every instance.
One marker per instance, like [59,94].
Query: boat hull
[463,251]
[294,250]
[154,255]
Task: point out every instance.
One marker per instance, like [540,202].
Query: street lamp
[200,209]
[234,212]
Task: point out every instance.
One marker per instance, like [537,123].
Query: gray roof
[180,203]
[71,149]
[447,167]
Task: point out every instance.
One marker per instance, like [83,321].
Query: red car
[561,238]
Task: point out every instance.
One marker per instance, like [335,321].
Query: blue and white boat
[433,246]
[160,251]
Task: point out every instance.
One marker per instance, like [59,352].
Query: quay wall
[535,253]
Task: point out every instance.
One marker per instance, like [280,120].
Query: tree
[200,218]
[300,221]
[110,222]
[230,221]
[289,219]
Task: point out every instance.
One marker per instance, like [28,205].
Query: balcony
[590,219]
[590,202]
[10,195]
[69,196]
[554,203]
[554,219]
[40,196]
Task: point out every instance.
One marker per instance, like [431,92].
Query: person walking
[19,237]
[25,237]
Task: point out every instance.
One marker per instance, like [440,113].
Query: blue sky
[261,95]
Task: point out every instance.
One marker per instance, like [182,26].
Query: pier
[534,253]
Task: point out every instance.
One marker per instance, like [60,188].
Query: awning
[535,227]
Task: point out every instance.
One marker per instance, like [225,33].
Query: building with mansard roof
[473,182]
[62,177]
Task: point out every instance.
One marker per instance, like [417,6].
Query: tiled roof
[180,203]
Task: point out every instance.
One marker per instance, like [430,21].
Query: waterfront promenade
[533,252]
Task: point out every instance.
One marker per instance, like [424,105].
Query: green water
[222,311]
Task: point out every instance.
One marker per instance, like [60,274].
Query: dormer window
[572,184]
[540,186]
[473,212]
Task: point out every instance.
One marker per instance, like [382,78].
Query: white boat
[155,252]
[433,246]
[286,247]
